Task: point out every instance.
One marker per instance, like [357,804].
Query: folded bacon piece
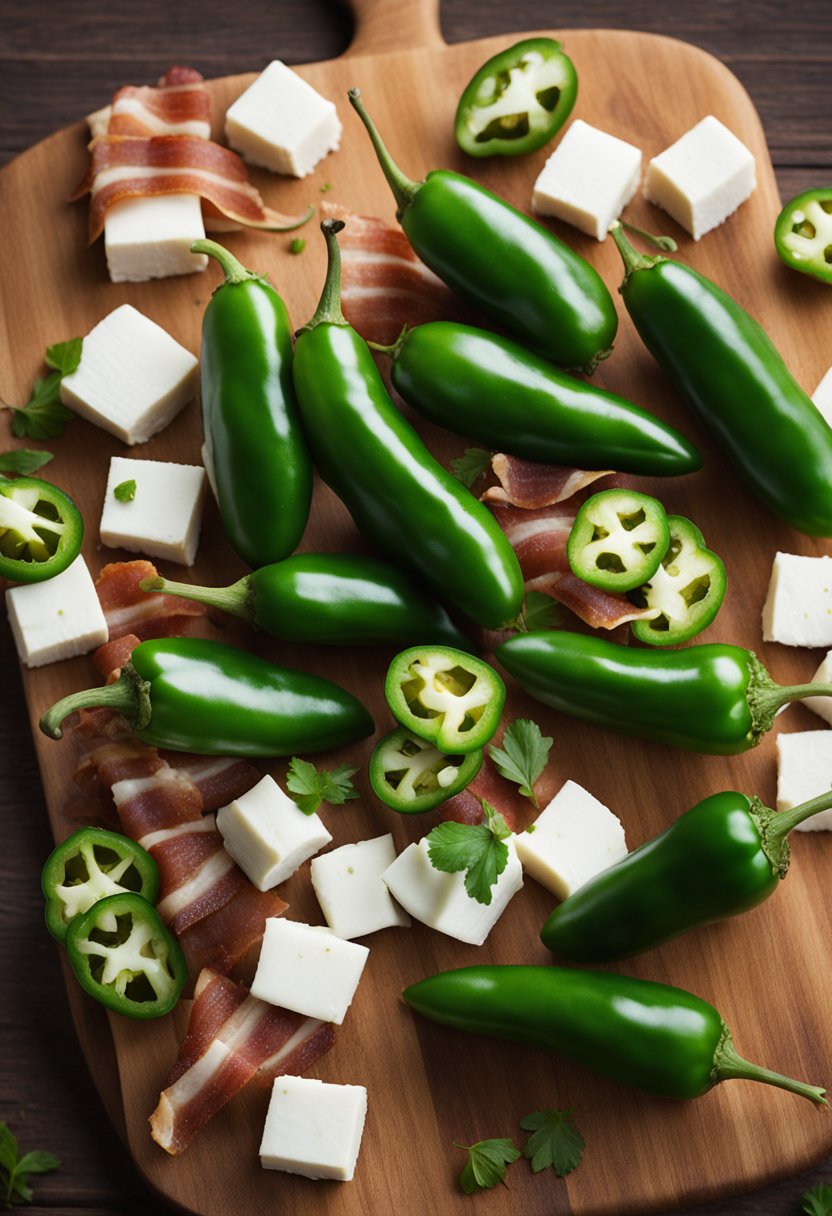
[179,105]
[538,537]
[219,779]
[129,610]
[525,483]
[598,609]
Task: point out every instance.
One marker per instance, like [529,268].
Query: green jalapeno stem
[729,1065]
[404,189]
[633,260]
[329,311]
[234,270]
[128,696]
[236,599]
[781,823]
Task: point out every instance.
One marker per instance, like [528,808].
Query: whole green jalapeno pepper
[194,695]
[400,497]
[255,452]
[501,261]
[722,360]
[713,698]
[490,388]
[335,599]
[651,1036]
[725,855]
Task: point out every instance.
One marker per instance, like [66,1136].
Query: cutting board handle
[382,26]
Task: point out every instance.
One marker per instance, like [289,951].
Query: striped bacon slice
[528,484]
[179,105]
[129,610]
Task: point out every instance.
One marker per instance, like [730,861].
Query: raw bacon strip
[216,998]
[525,483]
[540,543]
[112,656]
[311,1040]
[598,609]
[179,105]
[129,610]
[219,779]
[225,936]
[162,799]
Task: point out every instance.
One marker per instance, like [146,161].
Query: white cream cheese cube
[151,238]
[798,607]
[702,178]
[282,123]
[822,706]
[133,378]
[58,618]
[163,518]
[267,835]
[588,180]
[348,884]
[313,1128]
[441,901]
[309,969]
[804,771]
[574,838]
[822,396]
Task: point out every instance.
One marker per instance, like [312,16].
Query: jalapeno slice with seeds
[410,775]
[40,530]
[445,696]
[803,233]
[618,540]
[686,590]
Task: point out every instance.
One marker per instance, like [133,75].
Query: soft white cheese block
[58,618]
[798,607]
[313,1128]
[151,238]
[348,884]
[804,770]
[588,180]
[702,178]
[441,901]
[822,706]
[822,396]
[163,518]
[267,835]
[281,123]
[133,378]
[574,838]
[309,969]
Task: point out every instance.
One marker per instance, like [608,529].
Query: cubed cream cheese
[574,838]
[702,178]
[313,1128]
[441,901]
[798,607]
[282,123]
[133,378]
[804,771]
[58,618]
[309,969]
[267,835]
[822,706]
[164,515]
[588,180]
[822,396]
[349,887]
[151,238]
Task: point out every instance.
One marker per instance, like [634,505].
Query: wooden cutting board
[768,972]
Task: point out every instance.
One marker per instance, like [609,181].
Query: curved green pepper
[41,530]
[400,497]
[721,359]
[517,101]
[410,775]
[445,696]
[618,540]
[803,233]
[725,855]
[254,446]
[686,591]
[333,599]
[713,698]
[490,388]
[648,1035]
[505,264]
[193,695]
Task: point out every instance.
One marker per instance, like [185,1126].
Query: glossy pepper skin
[803,233]
[41,530]
[400,497]
[254,444]
[492,389]
[505,264]
[727,367]
[193,695]
[651,1036]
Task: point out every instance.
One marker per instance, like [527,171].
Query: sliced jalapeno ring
[618,540]
[445,696]
[40,530]
[803,233]
[686,590]
[410,775]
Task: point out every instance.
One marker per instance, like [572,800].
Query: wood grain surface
[644,1153]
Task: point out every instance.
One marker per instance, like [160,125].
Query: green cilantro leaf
[14,1168]
[472,466]
[476,848]
[44,416]
[24,461]
[486,1165]
[554,1141]
[818,1201]
[125,491]
[310,786]
[523,756]
[64,356]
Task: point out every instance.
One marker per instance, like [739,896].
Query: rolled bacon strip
[129,610]
[528,484]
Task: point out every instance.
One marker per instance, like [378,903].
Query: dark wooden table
[58,62]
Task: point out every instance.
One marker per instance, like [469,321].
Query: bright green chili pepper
[721,359]
[713,698]
[41,530]
[618,540]
[725,855]
[517,101]
[90,865]
[400,497]
[510,267]
[410,775]
[124,956]
[254,446]
[686,590]
[803,233]
[640,1033]
[329,598]
[193,695]
[490,388]
[445,696]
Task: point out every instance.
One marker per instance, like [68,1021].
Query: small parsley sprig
[472,466]
[44,415]
[486,1165]
[476,848]
[523,755]
[311,786]
[14,1169]
[818,1201]
[555,1141]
